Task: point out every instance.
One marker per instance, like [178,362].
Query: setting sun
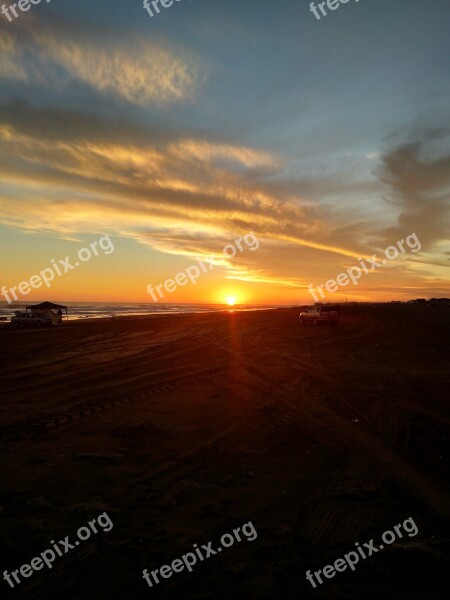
[231,300]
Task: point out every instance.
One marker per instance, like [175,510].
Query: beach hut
[45,310]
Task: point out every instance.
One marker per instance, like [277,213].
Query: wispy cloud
[180,193]
[139,71]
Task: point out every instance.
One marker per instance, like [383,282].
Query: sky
[178,134]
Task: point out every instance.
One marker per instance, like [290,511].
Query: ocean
[97,310]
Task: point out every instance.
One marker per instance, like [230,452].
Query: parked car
[320,313]
[22,319]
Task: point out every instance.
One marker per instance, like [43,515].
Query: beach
[182,427]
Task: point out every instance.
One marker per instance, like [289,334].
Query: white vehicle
[25,319]
[320,313]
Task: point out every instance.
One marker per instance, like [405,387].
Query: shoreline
[107,311]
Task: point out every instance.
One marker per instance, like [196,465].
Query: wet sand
[185,427]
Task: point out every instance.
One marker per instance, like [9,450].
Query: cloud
[181,192]
[136,70]
[208,152]
[416,167]
[9,65]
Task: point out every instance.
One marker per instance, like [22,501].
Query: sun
[231,300]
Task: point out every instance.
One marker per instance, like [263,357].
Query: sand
[184,427]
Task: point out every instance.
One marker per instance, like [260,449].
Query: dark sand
[182,428]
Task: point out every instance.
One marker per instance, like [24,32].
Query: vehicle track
[51,421]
